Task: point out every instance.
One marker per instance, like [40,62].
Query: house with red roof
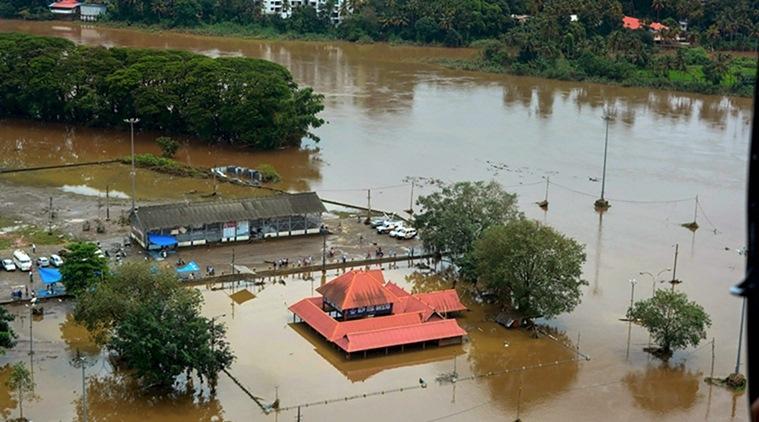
[629,22]
[67,9]
[358,312]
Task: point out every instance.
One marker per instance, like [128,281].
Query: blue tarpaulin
[191,267]
[50,275]
[161,240]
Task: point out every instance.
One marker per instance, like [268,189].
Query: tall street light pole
[132,121]
[602,204]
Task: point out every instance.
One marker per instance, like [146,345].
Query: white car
[56,260]
[405,233]
[100,254]
[22,260]
[388,226]
[397,230]
[43,262]
[8,265]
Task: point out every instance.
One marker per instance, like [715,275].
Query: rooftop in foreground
[358,311]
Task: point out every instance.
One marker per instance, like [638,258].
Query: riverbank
[687,79]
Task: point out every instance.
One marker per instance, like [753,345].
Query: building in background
[234,220]
[284,8]
[65,9]
[90,12]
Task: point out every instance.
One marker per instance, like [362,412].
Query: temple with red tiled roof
[358,311]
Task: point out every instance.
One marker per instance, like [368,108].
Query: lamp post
[654,278]
[633,282]
[602,204]
[31,325]
[81,362]
[132,121]
[741,252]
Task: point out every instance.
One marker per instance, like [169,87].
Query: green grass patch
[40,236]
[165,165]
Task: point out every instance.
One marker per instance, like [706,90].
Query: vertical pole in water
[548,181]
[411,201]
[695,211]
[606,147]
[674,267]
[368,205]
[711,371]
[107,203]
[131,122]
[298,418]
[740,338]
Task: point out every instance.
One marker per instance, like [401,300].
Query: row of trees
[532,270]
[242,101]
[727,24]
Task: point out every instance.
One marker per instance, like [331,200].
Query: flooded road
[393,114]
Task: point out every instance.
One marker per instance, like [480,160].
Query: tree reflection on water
[118,398]
[664,388]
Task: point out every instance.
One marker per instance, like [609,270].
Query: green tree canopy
[7,336]
[21,383]
[454,217]
[534,270]
[154,326]
[83,268]
[673,321]
[243,101]
[168,146]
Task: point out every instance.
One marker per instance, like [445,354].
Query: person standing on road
[34,248]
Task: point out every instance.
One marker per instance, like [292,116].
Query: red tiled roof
[396,289]
[65,4]
[372,324]
[356,289]
[442,301]
[630,22]
[410,334]
[310,310]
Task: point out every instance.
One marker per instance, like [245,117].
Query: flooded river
[394,114]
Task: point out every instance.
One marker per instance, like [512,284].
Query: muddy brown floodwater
[393,114]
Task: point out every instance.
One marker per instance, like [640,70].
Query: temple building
[358,311]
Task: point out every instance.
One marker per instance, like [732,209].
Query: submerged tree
[21,383]
[534,270]
[83,267]
[7,336]
[454,217]
[154,326]
[168,146]
[673,321]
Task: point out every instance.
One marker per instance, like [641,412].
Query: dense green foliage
[673,321]
[7,336]
[454,217]
[549,45]
[154,326]
[21,383]
[83,268]
[237,100]
[168,146]
[268,173]
[533,270]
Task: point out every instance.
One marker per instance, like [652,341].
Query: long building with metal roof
[199,223]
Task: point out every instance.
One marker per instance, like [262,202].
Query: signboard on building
[228,230]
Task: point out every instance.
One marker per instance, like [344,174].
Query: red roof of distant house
[356,289]
[630,22]
[65,4]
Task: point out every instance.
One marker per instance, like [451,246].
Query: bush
[168,146]
[695,56]
[268,173]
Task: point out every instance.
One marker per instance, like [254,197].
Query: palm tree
[657,5]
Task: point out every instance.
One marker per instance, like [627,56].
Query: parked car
[404,233]
[22,260]
[56,260]
[99,253]
[397,230]
[388,226]
[378,221]
[43,262]
[8,265]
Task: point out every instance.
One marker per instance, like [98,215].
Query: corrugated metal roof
[198,213]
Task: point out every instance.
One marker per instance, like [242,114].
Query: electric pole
[132,121]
